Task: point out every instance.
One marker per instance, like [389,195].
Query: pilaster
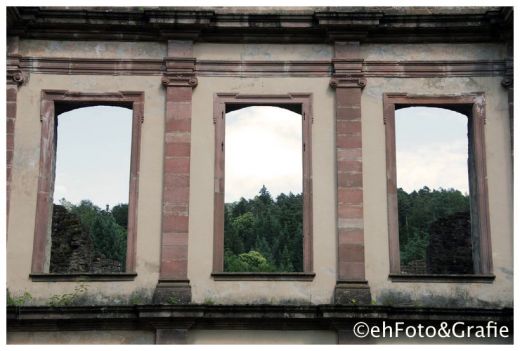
[179,80]
[347,80]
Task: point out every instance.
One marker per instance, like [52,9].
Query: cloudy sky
[93,155]
[431,149]
[263,147]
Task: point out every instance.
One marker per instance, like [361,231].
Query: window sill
[442,278]
[81,277]
[294,276]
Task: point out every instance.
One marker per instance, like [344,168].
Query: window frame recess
[472,105]
[297,102]
[53,103]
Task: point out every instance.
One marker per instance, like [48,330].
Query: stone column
[15,77]
[179,81]
[351,286]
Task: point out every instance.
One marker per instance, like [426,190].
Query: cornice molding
[179,69]
[253,25]
[129,317]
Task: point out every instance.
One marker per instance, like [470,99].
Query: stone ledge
[294,276]
[81,277]
[443,278]
[283,317]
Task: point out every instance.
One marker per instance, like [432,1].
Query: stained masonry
[170,65]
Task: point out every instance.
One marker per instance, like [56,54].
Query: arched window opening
[263,213]
[91,190]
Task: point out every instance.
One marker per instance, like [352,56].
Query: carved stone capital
[179,81]
[348,82]
[507,82]
[16,77]
[180,72]
[14,74]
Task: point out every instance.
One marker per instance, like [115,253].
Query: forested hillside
[418,210]
[264,234]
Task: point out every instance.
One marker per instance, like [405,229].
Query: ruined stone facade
[71,248]
[177,68]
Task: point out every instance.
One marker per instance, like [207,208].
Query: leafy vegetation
[68,299]
[18,300]
[264,235]
[417,211]
[107,229]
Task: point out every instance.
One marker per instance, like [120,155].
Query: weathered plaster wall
[25,177]
[26,156]
[92,49]
[432,52]
[200,248]
[83,337]
[500,182]
[275,52]
[370,52]
[278,337]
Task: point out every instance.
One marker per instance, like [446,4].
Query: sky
[93,155]
[263,147]
[431,149]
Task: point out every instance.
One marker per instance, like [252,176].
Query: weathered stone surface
[352,294]
[71,246]
[172,293]
[449,248]
[101,264]
[414,267]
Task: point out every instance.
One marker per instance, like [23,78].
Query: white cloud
[431,149]
[263,147]
[438,166]
[93,155]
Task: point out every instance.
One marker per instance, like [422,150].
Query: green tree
[120,214]
[252,261]
[108,234]
[273,228]
[417,210]
[108,237]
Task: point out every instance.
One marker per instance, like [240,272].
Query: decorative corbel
[347,82]
[14,74]
[179,81]
[507,81]
[180,72]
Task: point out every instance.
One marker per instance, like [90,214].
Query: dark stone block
[172,293]
[449,248]
[72,249]
[71,246]
[352,294]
